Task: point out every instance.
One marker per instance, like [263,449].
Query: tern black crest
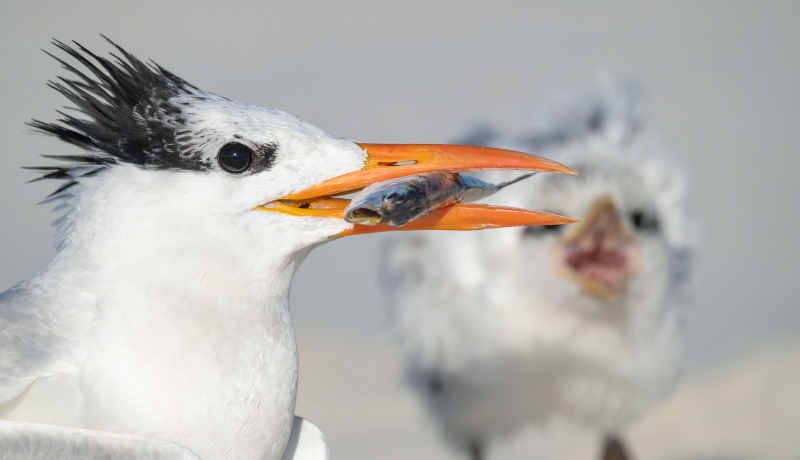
[129,113]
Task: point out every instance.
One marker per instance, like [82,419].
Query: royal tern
[163,320]
[515,328]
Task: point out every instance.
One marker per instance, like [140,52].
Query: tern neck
[145,239]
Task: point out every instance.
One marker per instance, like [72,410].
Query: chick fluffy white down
[495,340]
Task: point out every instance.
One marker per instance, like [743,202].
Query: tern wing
[39,336]
[35,440]
[306,442]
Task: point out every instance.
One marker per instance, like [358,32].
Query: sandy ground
[747,408]
[366,411]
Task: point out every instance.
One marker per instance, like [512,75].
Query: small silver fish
[399,201]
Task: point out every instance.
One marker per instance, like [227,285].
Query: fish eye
[645,221]
[235,157]
[392,196]
[540,230]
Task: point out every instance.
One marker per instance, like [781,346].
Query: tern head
[632,244]
[164,155]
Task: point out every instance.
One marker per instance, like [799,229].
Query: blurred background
[722,80]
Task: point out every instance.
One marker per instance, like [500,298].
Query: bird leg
[38,440]
[476,450]
[613,449]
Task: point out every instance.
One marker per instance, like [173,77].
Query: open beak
[599,254]
[391,161]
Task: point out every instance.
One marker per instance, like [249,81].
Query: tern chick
[530,327]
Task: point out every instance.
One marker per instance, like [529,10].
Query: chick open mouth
[599,254]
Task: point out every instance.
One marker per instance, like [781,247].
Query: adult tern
[162,323]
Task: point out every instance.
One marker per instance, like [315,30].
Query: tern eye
[235,158]
[540,230]
[645,221]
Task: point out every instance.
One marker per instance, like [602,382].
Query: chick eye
[540,230]
[235,158]
[645,221]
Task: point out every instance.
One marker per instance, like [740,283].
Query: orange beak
[599,254]
[391,161]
